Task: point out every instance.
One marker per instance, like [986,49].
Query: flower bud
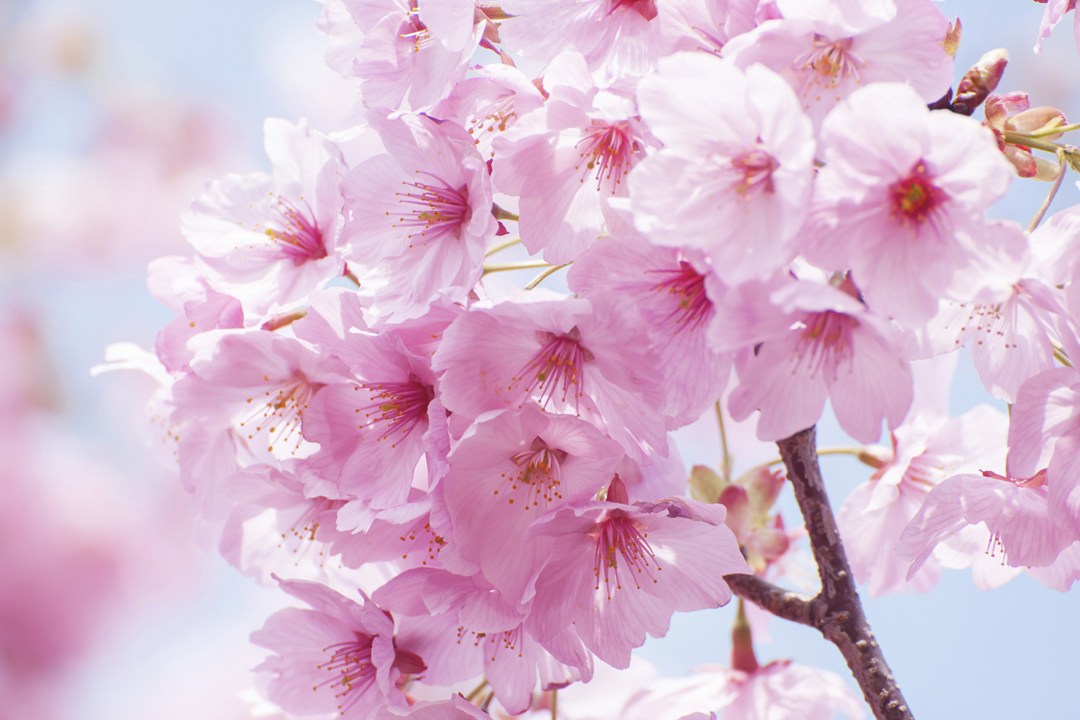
[980,81]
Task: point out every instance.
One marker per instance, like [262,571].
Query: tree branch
[841,620]
[778,601]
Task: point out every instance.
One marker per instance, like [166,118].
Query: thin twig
[545,275]
[1053,191]
[515,266]
[725,462]
[503,246]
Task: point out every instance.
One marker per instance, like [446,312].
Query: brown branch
[843,623]
[778,601]
[836,611]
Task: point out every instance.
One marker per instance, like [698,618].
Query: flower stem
[725,461]
[545,275]
[1045,132]
[503,246]
[515,266]
[1050,195]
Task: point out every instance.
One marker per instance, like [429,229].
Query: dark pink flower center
[432,210]
[607,152]
[645,8]
[622,553]
[396,408]
[280,413]
[825,341]
[914,199]
[686,289]
[539,473]
[297,235]
[350,670]
[557,367]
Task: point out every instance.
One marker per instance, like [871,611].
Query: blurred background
[113,114]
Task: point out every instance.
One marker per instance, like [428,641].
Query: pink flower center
[825,341]
[607,152]
[831,60]
[421,538]
[279,412]
[756,169]
[396,408]
[301,536]
[539,472]
[558,365]
[645,8]
[914,199]
[619,542]
[298,238]
[350,669]
[686,287]
[432,210]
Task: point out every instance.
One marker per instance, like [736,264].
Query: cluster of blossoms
[759,211]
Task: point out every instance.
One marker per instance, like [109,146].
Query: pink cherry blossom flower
[617,37]
[463,627]
[505,473]
[779,690]
[407,54]
[269,240]
[421,212]
[243,404]
[1044,433]
[735,164]
[900,202]
[670,290]
[456,708]
[568,160]
[274,528]
[619,571]
[833,349]
[1010,341]
[1014,511]
[375,426]
[827,50]
[338,656]
[489,102]
[1055,13]
[175,282]
[575,356]
[927,448]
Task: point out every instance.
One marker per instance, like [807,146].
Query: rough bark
[836,611]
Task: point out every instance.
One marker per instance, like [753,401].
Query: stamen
[351,670]
[432,210]
[540,472]
[280,414]
[618,537]
[398,407]
[756,168]
[559,364]
[686,286]
[607,152]
[825,341]
[298,238]
[915,199]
